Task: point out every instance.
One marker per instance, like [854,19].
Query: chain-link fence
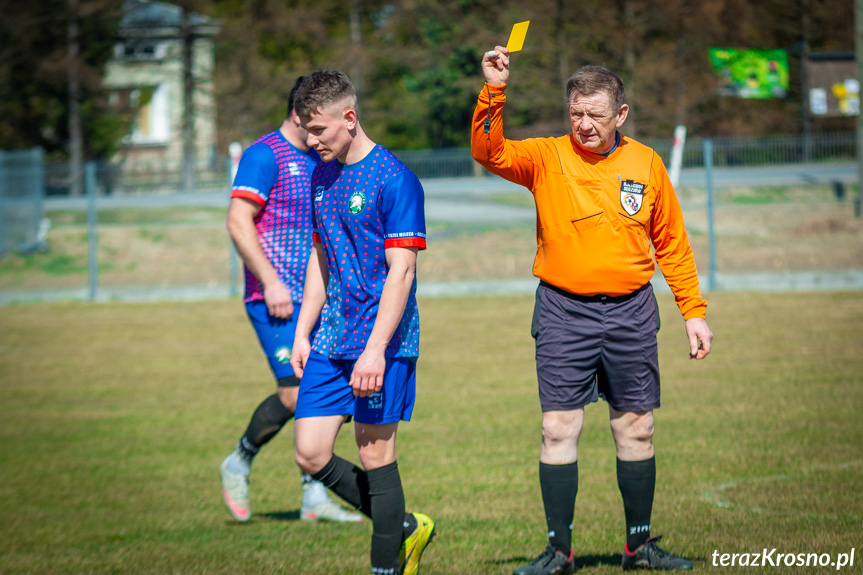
[141,236]
[23,228]
[739,151]
[161,177]
[123,178]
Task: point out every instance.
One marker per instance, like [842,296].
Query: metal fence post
[711,230]
[92,258]
[40,240]
[3,223]
[232,164]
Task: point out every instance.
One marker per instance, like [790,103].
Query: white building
[147,73]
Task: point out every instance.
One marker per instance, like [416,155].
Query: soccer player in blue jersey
[270,223]
[369,224]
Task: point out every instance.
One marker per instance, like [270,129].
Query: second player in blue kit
[270,223]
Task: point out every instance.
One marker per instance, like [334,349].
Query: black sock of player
[269,418]
[409,526]
[559,484]
[348,482]
[388,514]
[637,483]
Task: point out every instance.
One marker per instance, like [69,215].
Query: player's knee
[288,395]
[373,457]
[310,456]
[306,461]
[299,459]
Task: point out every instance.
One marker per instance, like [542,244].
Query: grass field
[115,417]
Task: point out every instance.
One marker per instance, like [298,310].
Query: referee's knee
[633,435]
[561,427]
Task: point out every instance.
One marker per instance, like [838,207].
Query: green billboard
[756,74]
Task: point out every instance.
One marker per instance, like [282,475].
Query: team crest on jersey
[283,354]
[357,202]
[631,196]
[319,193]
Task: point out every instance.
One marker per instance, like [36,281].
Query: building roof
[143,16]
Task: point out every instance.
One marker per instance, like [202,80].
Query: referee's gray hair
[321,89]
[590,80]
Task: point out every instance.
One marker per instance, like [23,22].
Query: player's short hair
[322,89]
[590,80]
[292,96]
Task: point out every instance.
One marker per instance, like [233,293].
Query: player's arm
[244,235]
[314,298]
[367,377]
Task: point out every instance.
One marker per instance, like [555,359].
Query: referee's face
[594,121]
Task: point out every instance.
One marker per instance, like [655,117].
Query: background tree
[263,46]
[34,84]
[417,64]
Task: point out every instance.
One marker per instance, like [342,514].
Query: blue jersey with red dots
[360,210]
[275,175]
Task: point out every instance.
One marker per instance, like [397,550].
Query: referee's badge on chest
[631,196]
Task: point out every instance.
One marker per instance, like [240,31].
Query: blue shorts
[277,338]
[325,390]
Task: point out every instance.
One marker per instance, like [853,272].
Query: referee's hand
[495,66]
[700,337]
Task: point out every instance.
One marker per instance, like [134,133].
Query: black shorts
[596,346]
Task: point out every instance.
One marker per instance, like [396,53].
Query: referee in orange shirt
[604,206]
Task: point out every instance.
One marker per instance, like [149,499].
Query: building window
[140,50]
[151,120]
[149,108]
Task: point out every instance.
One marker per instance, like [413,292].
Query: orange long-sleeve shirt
[596,216]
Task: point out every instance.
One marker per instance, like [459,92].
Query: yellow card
[516,37]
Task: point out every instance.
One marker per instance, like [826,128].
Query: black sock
[351,484]
[388,515]
[348,482]
[269,418]
[409,526]
[559,485]
[637,483]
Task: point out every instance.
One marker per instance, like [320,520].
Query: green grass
[50,264]
[115,417]
[764,195]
